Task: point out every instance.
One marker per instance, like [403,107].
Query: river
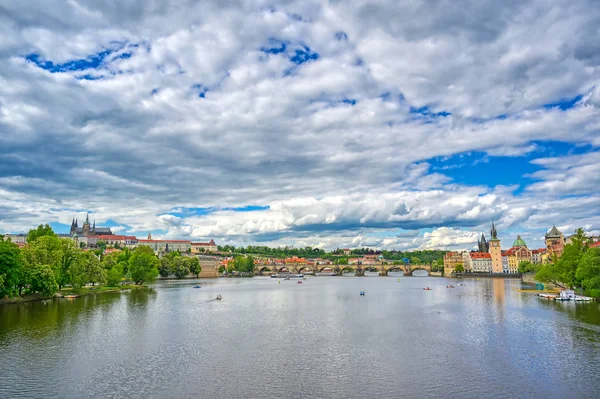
[319,339]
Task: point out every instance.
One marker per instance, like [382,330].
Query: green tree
[415,261]
[43,280]
[82,245]
[244,264]
[101,244]
[69,251]
[114,275]
[86,268]
[341,261]
[459,268]
[195,266]
[143,265]
[527,267]
[550,274]
[181,266]
[10,267]
[588,271]
[42,230]
[166,268]
[221,269]
[44,250]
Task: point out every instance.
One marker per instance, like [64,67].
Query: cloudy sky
[391,124]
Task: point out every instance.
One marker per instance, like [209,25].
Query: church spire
[94,226]
[494,232]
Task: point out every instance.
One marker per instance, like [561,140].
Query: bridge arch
[305,269]
[361,272]
[420,269]
[396,269]
[265,269]
[346,268]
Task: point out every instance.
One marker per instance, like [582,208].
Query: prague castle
[88,230]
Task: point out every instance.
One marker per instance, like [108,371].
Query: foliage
[588,271]
[459,268]
[114,275]
[244,264]
[564,271]
[10,267]
[437,266]
[43,280]
[195,266]
[528,267]
[86,268]
[221,269]
[101,244]
[41,231]
[143,265]
[181,266]
[165,269]
[341,261]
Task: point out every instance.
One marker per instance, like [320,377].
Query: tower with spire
[495,250]
[86,226]
[482,244]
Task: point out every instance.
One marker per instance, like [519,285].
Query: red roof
[115,237]
[538,251]
[595,245]
[180,241]
[212,242]
[480,255]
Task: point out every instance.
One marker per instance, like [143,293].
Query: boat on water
[219,297]
[426,289]
[70,296]
[461,285]
[579,298]
[547,296]
[326,274]
[197,286]
[287,276]
[299,282]
[449,286]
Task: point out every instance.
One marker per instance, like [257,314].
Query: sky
[388,124]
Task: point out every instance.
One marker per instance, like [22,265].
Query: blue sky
[335,125]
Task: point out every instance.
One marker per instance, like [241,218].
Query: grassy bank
[69,291]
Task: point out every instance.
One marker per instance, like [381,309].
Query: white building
[482,262]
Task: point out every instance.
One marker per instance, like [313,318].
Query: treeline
[180,266]
[577,267]
[48,263]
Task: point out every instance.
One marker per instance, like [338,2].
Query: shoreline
[61,294]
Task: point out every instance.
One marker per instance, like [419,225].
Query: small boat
[426,289]
[70,296]
[461,285]
[299,282]
[579,298]
[449,286]
[219,297]
[362,293]
[547,296]
[197,286]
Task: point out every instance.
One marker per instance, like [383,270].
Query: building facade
[555,243]
[160,246]
[482,262]
[451,260]
[204,247]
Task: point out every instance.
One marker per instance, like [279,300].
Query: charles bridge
[359,270]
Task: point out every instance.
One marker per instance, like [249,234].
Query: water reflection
[269,338]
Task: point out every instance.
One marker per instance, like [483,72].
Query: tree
[43,280]
[527,267]
[41,231]
[459,268]
[415,261]
[588,271]
[69,252]
[165,269]
[143,265]
[195,266]
[221,269]
[86,268]
[44,250]
[550,274]
[341,261]
[10,267]
[101,244]
[114,275]
[244,264]
[181,266]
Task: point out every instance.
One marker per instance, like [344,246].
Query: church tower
[495,251]
[86,226]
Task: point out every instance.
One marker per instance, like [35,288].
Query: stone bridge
[359,270]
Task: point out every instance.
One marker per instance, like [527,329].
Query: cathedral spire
[494,232]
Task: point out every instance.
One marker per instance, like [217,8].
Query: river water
[319,339]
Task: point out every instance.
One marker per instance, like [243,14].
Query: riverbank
[78,292]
